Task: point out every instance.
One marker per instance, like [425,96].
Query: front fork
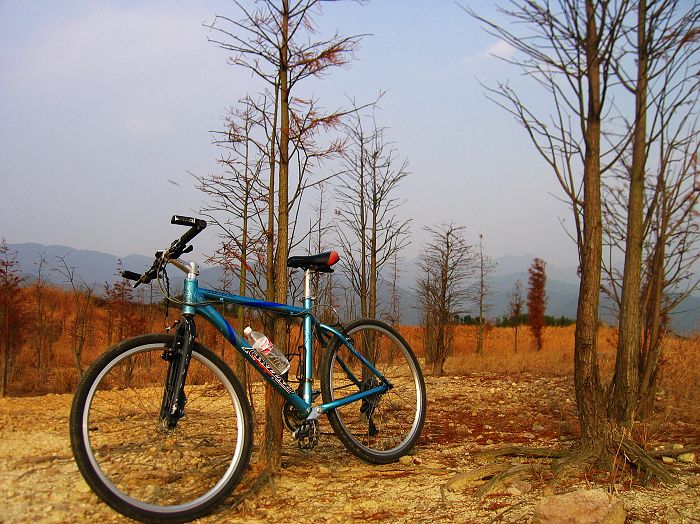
[172,407]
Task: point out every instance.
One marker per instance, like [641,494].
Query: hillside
[562,282]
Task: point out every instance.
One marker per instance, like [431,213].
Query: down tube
[219,322]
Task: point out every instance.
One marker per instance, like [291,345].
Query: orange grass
[678,395]
[679,386]
[555,358]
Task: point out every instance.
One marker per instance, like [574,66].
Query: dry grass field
[499,398]
[679,391]
[680,373]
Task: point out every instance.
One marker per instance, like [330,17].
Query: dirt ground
[39,481]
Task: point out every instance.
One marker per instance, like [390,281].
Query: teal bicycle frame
[199,301]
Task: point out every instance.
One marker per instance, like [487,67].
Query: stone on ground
[580,507]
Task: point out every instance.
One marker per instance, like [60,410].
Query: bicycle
[161,429]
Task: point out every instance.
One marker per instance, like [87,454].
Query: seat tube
[308,338]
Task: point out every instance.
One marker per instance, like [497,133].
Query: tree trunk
[239,361]
[439,364]
[270,275]
[363,234]
[272,439]
[373,276]
[589,394]
[626,379]
[650,353]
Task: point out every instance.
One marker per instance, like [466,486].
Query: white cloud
[500,49]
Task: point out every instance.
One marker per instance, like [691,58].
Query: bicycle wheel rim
[107,481]
[406,398]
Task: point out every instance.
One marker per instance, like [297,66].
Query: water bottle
[268,350]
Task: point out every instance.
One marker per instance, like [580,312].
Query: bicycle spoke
[382,426]
[136,456]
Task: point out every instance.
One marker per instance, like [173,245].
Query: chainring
[307,434]
[291,417]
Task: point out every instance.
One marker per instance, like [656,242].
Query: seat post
[308,339]
[307,285]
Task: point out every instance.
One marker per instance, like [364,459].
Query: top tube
[209,312]
[228,298]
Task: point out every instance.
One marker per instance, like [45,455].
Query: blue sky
[103,102]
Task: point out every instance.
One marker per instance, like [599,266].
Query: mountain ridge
[98,268]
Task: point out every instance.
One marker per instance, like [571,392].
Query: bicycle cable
[166,292]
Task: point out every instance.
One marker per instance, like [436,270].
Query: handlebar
[177,248]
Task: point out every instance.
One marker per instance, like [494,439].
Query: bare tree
[237,205]
[515,309]
[83,301]
[394,317]
[570,49]
[369,228]
[447,263]
[46,328]
[651,193]
[323,283]
[120,308]
[669,277]
[274,43]
[13,314]
[481,291]
[567,51]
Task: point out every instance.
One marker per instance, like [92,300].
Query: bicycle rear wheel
[383,427]
[127,455]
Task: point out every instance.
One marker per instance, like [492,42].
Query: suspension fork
[173,404]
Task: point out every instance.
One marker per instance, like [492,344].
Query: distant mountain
[93,267]
[519,264]
[562,282]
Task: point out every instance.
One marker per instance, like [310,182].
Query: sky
[108,106]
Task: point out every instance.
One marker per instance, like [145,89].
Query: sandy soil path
[40,483]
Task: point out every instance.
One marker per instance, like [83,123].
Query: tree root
[522,451]
[644,462]
[672,452]
[464,479]
[514,472]
[566,461]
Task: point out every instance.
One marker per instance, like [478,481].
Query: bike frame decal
[264,366]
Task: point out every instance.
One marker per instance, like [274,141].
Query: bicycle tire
[131,461]
[382,428]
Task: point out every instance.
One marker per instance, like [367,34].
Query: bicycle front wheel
[383,427]
[132,460]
